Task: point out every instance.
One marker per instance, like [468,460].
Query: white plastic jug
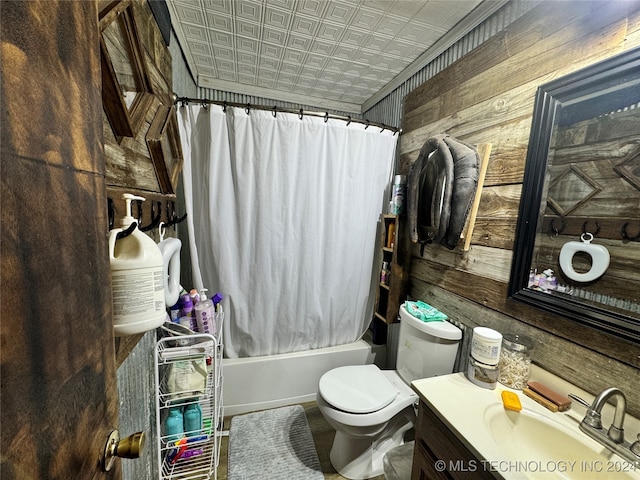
[136,278]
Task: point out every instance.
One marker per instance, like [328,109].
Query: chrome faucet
[613,438]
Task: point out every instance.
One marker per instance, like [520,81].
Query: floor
[322,436]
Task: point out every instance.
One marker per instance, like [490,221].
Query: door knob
[129,447]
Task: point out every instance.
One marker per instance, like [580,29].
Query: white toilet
[371,409]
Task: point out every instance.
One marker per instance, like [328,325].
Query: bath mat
[273,444]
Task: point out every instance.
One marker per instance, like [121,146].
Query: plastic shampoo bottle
[193,420]
[174,424]
[205,314]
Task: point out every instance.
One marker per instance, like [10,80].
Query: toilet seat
[357,389]
[599,259]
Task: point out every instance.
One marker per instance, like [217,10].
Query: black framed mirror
[577,243]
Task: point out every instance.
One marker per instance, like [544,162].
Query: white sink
[531,444]
[555,450]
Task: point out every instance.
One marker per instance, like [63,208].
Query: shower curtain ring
[224,107]
[275,111]
[349,120]
[326,117]
[383,128]
[367,125]
[247,108]
[300,114]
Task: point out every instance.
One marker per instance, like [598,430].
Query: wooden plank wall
[488,97]
[128,165]
[128,168]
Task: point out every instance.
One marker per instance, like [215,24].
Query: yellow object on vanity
[511,401]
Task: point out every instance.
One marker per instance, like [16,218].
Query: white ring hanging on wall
[599,259]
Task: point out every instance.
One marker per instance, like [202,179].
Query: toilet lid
[357,388]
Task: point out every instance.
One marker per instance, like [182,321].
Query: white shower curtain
[282,220]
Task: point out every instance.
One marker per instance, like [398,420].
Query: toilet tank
[425,349]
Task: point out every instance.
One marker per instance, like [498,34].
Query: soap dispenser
[137,284]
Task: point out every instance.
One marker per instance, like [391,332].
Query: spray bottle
[137,282]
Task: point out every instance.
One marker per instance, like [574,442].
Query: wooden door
[59,395]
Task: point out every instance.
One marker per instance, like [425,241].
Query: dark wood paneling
[59,398]
[557,340]
[128,164]
[487,96]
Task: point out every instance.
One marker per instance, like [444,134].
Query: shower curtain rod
[275,109]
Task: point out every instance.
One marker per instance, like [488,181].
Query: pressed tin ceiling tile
[248,10]
[220,23]
[335,53]
[305,25]
[194,32]
[221,6]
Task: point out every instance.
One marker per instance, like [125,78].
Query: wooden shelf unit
[390,296]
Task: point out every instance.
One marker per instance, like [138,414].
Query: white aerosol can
[137,278]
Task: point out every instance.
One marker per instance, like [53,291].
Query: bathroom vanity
[464,432]
[439,454]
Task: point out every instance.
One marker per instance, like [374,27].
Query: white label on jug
[137,292]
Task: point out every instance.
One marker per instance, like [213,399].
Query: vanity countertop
[533,443]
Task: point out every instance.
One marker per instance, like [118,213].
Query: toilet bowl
[364,437]
[372,409]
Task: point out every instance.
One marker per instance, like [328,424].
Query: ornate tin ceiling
[339,54]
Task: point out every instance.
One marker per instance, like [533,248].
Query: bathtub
[258,383]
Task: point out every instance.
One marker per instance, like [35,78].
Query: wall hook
[128,231]
[110,212]
[172,218]
[557,231]
[139,210]
[162,230]
[176,220]
[584,228]
[156,214]
[625,235]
